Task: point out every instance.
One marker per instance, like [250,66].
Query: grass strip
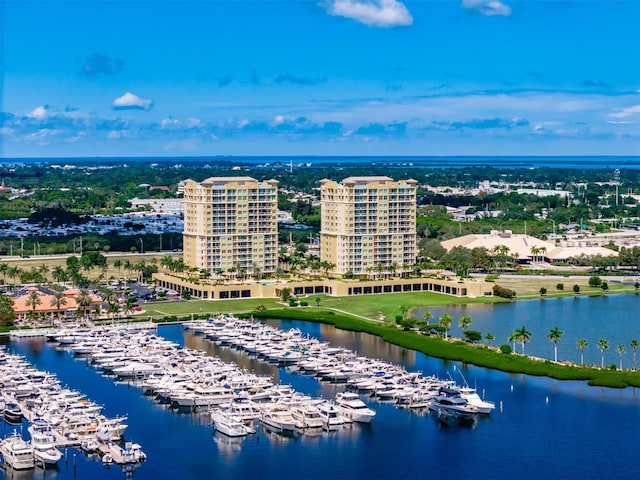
[459,350]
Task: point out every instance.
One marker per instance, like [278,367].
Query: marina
[533,411]
[57,418]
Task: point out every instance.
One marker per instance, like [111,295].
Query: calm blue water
[612,317]
[589,162]
[548,429]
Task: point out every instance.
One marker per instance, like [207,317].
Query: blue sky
[327,77]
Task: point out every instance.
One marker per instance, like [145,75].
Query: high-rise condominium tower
[368,224]
[231,224]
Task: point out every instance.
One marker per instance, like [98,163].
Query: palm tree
[534,252]
[43,270]
[602,344]
[84,301]
[14,272]
[445,321]
[58,273]
[634,346]
[129,305]
[4,268]
[512,339]
[523,336]
[489,338]
[554,336]
[620,349]
[58,300]
[582,344]
[465,322]
[427,315]
[33,300]
[128,267]
[118,264]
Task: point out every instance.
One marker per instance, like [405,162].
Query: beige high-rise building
[368,224]
[231,223]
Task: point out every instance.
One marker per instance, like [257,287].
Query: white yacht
[228,424]
[332,419]
[307,415]
[278,417]
[17,453]
[44,443]
[353,408]
[472,397]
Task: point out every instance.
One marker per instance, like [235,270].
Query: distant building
[367,222]
[49,308]
[231,223]
[526,248]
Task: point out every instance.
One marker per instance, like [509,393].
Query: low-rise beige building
[527,248]
[472,287]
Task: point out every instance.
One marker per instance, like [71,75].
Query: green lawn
[368,306]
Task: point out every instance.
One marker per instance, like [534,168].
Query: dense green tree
[7,313]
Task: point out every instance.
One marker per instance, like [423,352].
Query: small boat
[228,424]
[12,413]
[89,446]
[353,408]
[17,453]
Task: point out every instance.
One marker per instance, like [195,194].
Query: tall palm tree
[620,349]
[603,344]
[427,315]
[58,301]
[4,268]
[58,273]
[523,336]
[634,346]
[489,338]
[582,344]
[446,321]
[554,336]
[84,301]
[14,272]
[118,264]
[465,322]
[43,270]
[128,267]
[403,310]
[513,338]
[33,300]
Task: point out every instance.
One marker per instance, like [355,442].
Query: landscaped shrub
[560,286]
[505,348]
[503,292]
[304,303]
[595,281]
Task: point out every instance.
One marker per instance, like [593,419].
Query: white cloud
[489,8]
[6,131]
[375,13]
[278,120]
[243,123]
[129,101]
[626,112]
[39,113]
